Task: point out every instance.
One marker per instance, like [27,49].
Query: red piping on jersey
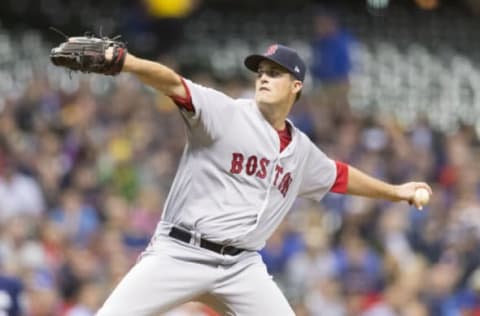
[185,103]
[340,185]
[285,137]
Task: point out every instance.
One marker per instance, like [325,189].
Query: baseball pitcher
[242,168]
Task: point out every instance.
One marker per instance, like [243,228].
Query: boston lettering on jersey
[254,166]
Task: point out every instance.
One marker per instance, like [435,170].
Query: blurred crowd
[84,175]
[83,179]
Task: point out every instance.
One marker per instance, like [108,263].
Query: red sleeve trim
[184,103]
[341,182]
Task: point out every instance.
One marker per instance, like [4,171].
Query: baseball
[422,196]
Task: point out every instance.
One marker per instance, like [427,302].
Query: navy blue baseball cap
[281,55]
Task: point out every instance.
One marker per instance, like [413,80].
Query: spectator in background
[79,220]
[280,248]
[441,283]
[469,298]
[11,291]
[331,63]
[43,300]
[307,268]
[88,299]
[324,299]
[20,194]
[396,301]
[358,266]
[76,278]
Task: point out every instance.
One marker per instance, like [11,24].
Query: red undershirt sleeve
[184,103]
[341,182]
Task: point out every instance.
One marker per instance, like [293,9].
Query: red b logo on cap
[271,50]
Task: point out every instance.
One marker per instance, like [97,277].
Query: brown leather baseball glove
[87,54]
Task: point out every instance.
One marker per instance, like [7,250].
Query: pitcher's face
[274,84]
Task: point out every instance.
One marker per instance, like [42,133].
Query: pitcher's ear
[298,85]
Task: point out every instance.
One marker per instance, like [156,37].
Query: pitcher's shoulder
[245,102]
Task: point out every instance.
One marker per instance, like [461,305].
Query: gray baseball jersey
[233,184]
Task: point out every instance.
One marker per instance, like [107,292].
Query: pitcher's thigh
[253,292]
[157,283]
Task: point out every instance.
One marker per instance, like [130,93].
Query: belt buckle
[196,238]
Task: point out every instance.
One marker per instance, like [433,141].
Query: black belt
[186,236]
